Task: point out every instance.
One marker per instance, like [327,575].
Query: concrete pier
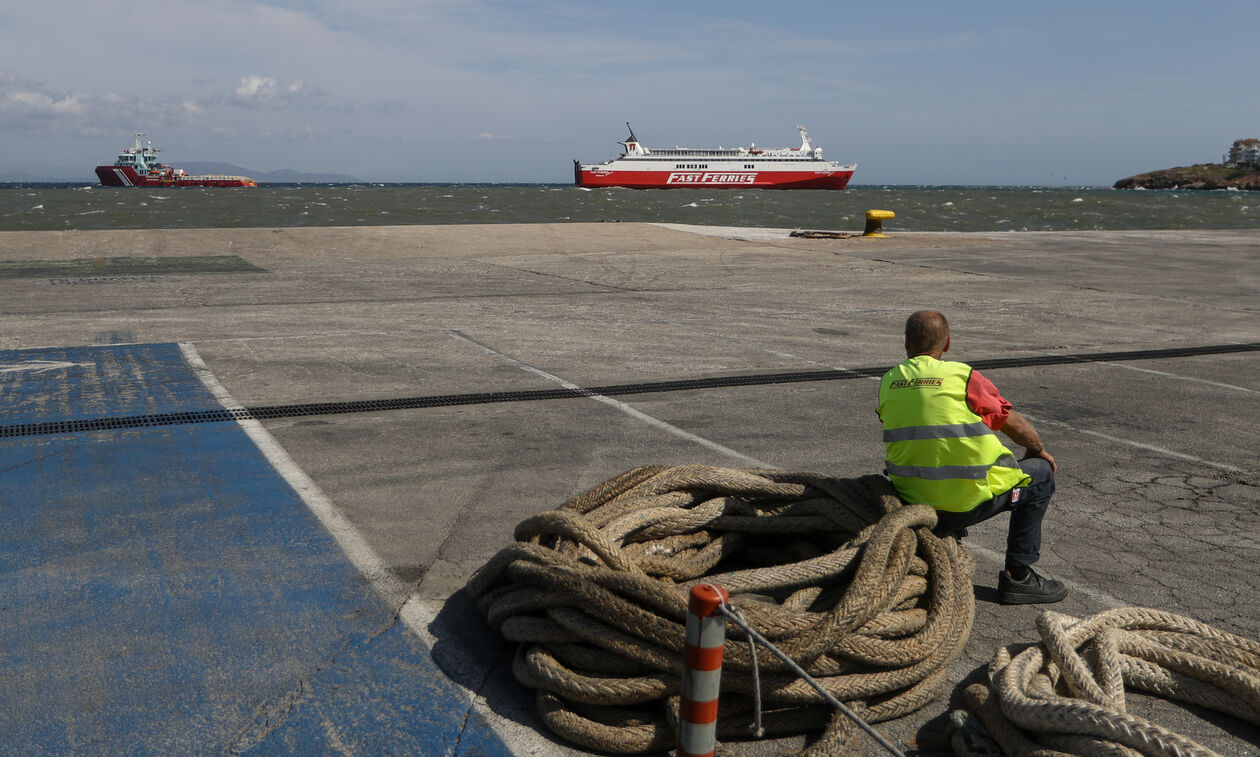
[174,580]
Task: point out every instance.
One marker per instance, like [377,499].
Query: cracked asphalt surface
[1158,488]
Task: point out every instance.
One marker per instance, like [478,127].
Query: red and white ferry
[741,167]
[138,166]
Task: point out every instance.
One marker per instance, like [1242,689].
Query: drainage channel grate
[271,412]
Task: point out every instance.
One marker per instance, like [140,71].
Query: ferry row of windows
[702,166]
[697,153]
[775,159]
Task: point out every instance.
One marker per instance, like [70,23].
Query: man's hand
[1022,433]
[1044,456]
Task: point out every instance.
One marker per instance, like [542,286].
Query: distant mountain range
[31,171]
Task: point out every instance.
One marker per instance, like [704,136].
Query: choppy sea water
[69,206]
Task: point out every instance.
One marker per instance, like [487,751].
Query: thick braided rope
[838,573]
[1067,695]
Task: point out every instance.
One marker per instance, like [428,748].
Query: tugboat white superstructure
[741,167]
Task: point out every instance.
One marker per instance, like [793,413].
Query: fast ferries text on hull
[138,166]
[741,167]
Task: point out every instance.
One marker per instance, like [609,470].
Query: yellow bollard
[875,223]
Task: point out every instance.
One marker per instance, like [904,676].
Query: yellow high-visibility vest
[937,450]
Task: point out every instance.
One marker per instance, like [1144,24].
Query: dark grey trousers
[1027,505]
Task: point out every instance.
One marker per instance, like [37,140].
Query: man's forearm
[1022,433]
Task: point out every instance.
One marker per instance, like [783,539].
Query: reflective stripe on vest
[954,431]
[937,450]
[946,472]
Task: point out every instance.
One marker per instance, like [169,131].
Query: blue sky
[1077,93]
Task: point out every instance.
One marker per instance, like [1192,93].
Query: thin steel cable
[738,619]
[757,729]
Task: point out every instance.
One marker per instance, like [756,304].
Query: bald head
[927,332]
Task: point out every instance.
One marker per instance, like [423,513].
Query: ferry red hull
[712,179]
[126,176]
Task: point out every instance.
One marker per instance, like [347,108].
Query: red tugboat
[738,168]
[138,166]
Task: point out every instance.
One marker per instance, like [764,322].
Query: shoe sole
[1031,599]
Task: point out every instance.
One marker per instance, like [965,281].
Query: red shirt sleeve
[986,401]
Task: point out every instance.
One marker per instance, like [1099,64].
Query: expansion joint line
[565,390]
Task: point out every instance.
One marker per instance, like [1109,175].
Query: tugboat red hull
[126,176]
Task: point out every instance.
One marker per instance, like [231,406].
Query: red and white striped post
[702,671]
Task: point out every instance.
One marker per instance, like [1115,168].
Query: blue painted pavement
[164,591]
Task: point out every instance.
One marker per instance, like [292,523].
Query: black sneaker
[1033,590]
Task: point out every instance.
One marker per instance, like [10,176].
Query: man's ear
[948,339]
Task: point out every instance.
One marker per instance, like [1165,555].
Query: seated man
[939,418]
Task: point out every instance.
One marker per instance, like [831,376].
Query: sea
[67,206]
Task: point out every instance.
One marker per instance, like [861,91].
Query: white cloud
[265,92]
[32,107]
[25,99]
[268,93]
[486,136]
[43,104]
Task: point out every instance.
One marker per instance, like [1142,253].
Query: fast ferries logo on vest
[914,383]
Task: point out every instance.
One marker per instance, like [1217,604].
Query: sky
[1008,93]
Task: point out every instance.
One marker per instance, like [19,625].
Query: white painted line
[619,405]
[1180,377]
[1130,443]
[415,613]
[356,547]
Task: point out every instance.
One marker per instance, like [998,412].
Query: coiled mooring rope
[1066,696]
[838,573]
